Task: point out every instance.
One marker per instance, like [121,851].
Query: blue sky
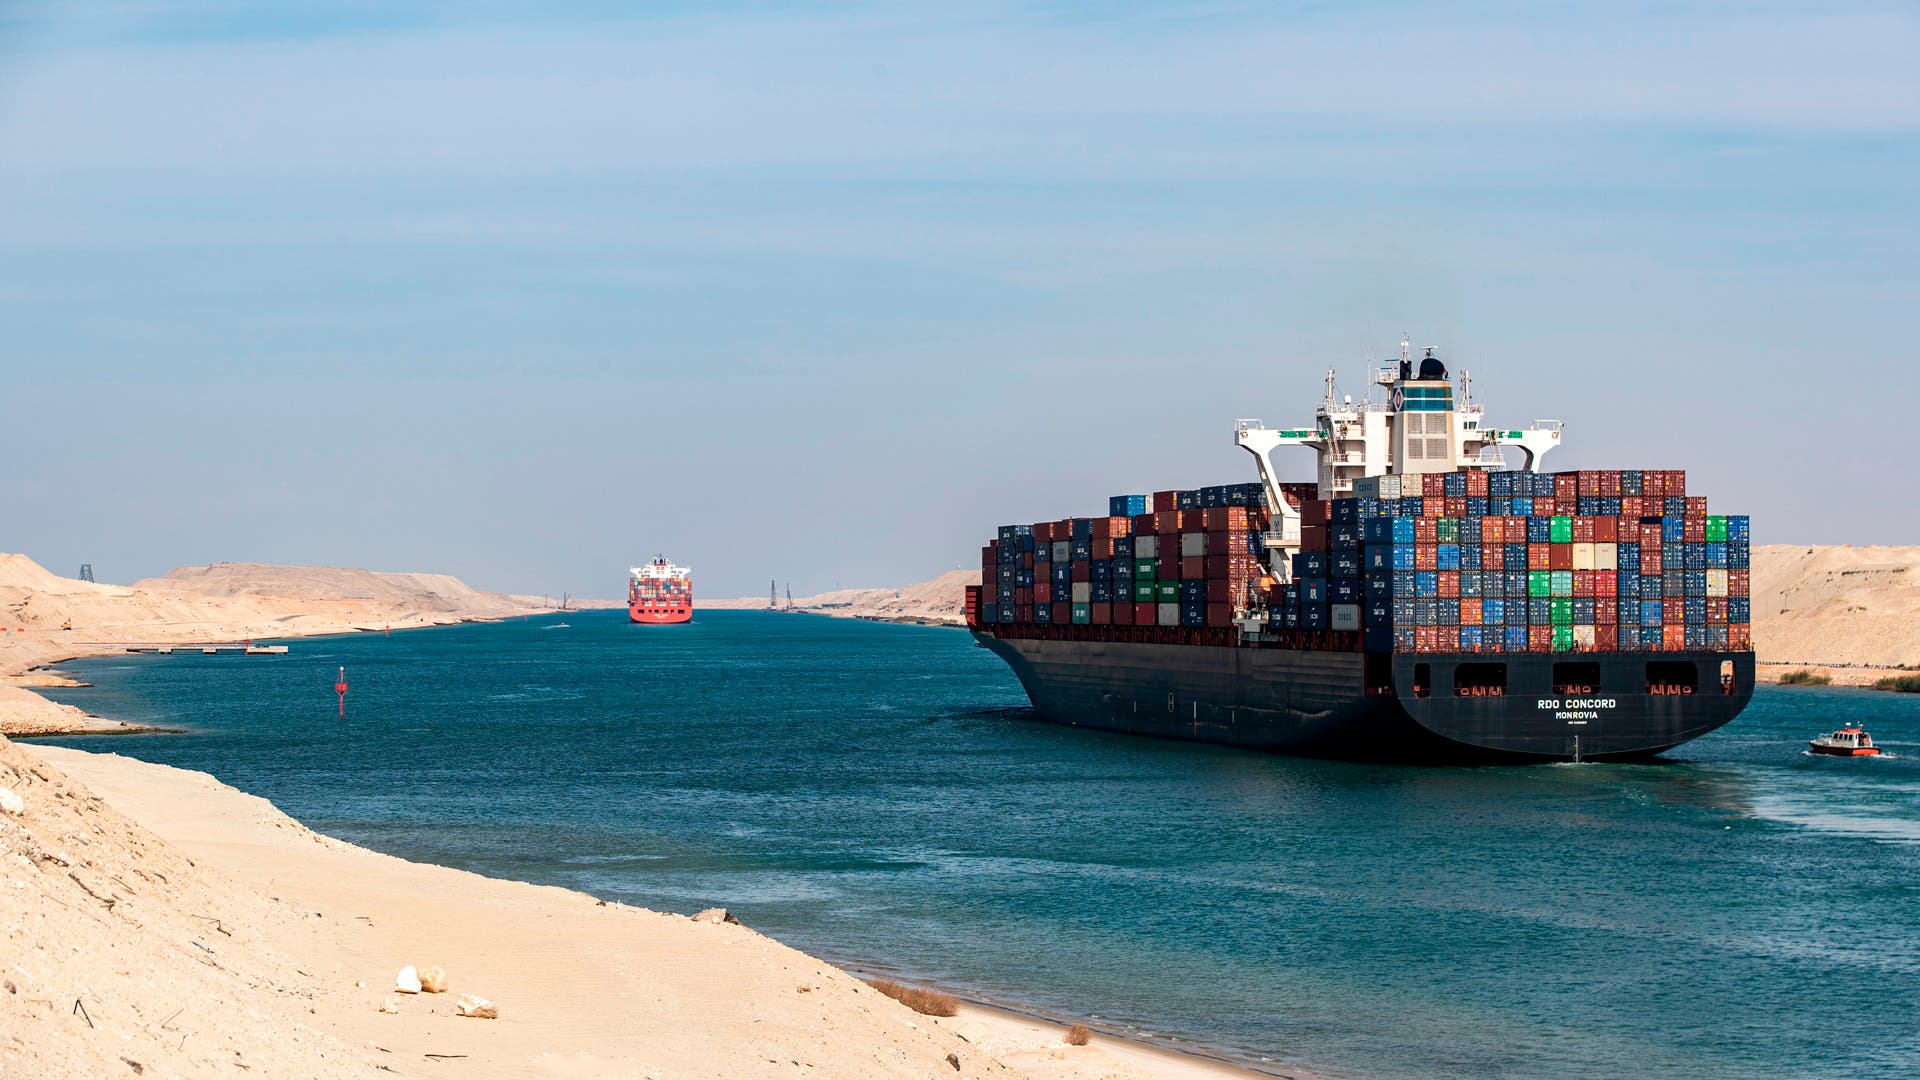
[825,292]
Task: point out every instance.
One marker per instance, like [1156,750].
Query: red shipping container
[1107,528]
[1493,557]
[1426,557]
[1582,530]
[1193,568]
[1606,582]
[1169,565]
[1023,613]
[1043,592]
[1426,638]
[1539,639]
[1649,537]
[1740,636]
[1650,561]
[1694,531]
[1026,560]
[1716,611]
[1470,610]
[1314,512]
[1566,486]
[1738,582]
[1193,521]
[1449,584]
[1426,531]
[1166,521]
[1583,583]
[1146,614]
[1606,638]
[1606,530]
[1043,532]
[1538,556]
[1697,506]
[1433,508]
[1123,614]
[1023,597]
[1313,538]
[1063,529]
[1446,639]
[1606,610]
[1493,530]
[1062,614]
[1477,483]
[1219,614]
[1456,506]
[1143,524]
[1102,548]
[1082,571]
[1100,614]
[989,593]
[1164,501]
[1219,591]
[1218,566]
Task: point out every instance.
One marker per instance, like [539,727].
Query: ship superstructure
[660,593]
[1422,599]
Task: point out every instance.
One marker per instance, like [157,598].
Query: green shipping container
[1144,592]
[1562,613]
[1146,569]
[1448,530]
[1539,583]
[1169,592]
[1561,529]
[1716,529]
[1083,613]
[1562,583]
[1563,639]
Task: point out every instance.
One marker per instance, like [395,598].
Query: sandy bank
[45,618]
[165,919]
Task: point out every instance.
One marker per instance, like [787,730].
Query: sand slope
[45,617]
[940,601]
[233,935]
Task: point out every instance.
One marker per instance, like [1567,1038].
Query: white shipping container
[1716,583]
[1345,616]
[1583,637]
[1583,557]
[1606,556]
[1083,592]
[1146,546]
[1169,615]
[1192,544]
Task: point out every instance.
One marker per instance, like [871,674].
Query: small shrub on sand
[1078,1035]
[919,999]
[1803,677]
[1902,684]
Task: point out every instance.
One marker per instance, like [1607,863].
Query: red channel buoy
[340,687]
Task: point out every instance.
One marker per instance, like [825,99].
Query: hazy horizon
[824,294]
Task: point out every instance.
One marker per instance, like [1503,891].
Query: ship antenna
[1330,397]
[1466,387]
[1406,348]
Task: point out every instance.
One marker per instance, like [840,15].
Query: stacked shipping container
[1465,562]
[1602,560]
[1173,559]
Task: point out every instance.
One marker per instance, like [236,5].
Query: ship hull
[652,616]
[1371,707]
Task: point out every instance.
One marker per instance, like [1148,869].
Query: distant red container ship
[660,593]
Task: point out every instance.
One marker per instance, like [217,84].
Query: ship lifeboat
[1847,742]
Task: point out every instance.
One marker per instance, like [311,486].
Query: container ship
[660,593]
[1421,600]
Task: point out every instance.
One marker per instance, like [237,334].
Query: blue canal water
[874,794]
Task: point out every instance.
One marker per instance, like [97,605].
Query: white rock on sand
[477,1007]
[407,981]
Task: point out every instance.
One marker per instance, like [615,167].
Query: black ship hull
[1429,708]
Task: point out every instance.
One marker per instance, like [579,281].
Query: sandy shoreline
[197,926]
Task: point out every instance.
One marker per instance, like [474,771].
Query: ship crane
[1418,429]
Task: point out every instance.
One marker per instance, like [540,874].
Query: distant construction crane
[86,571]
[789,596]
[773,595]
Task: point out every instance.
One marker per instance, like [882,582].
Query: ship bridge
[1420,427]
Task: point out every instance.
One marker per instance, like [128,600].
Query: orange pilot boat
[1847,742]
[660,593]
